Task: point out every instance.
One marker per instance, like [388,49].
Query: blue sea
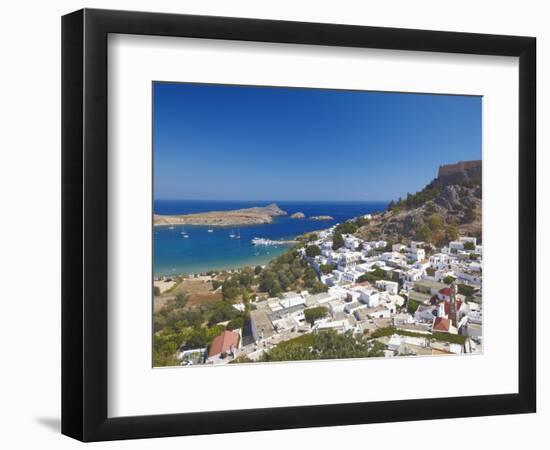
[204,251]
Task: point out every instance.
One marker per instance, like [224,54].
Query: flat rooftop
[260,321]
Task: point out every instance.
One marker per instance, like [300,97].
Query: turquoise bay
[203,250]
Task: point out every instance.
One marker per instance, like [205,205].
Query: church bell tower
[453,312]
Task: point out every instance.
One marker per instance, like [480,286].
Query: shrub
[435,222]
[346,228]
[361,221]
[243,359]
[466,290]
[375,275]
[327,268]
[180,300]
[448,279]
[323,345]
[424,233]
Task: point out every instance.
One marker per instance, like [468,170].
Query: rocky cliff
[447,206]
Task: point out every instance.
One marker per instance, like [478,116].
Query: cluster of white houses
[412,300]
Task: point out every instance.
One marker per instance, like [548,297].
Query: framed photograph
[273,224]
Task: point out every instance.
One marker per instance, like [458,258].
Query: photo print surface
[299,224]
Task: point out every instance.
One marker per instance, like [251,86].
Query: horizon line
[268,200]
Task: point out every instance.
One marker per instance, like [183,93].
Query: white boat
[232,235]
[210,230]
[238,234]
[171,227]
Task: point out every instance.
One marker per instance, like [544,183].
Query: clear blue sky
[215,142]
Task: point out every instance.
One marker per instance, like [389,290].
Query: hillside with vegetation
[447,207]
[185,322]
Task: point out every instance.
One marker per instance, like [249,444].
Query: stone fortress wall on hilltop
[462,166]
[459,172]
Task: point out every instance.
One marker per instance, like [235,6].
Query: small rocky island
[321,218]
[247,216]
[298,215]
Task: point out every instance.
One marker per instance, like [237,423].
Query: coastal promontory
[248,216]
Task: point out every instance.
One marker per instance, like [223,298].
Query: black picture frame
[84,224]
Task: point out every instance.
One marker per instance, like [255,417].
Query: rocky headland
[247,216]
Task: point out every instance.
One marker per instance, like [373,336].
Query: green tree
[257,270]
[317,288]
[376,274]
[324,345]
[237,322]
[337,241]
[312,251]
[220,312]
[435,222]
[469,246]
[246,277]
[267,280]
[412,306]
[424,233]
[164,351]
[276,289]
[313,314]
[452,232]
[231,293]
[156,291]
